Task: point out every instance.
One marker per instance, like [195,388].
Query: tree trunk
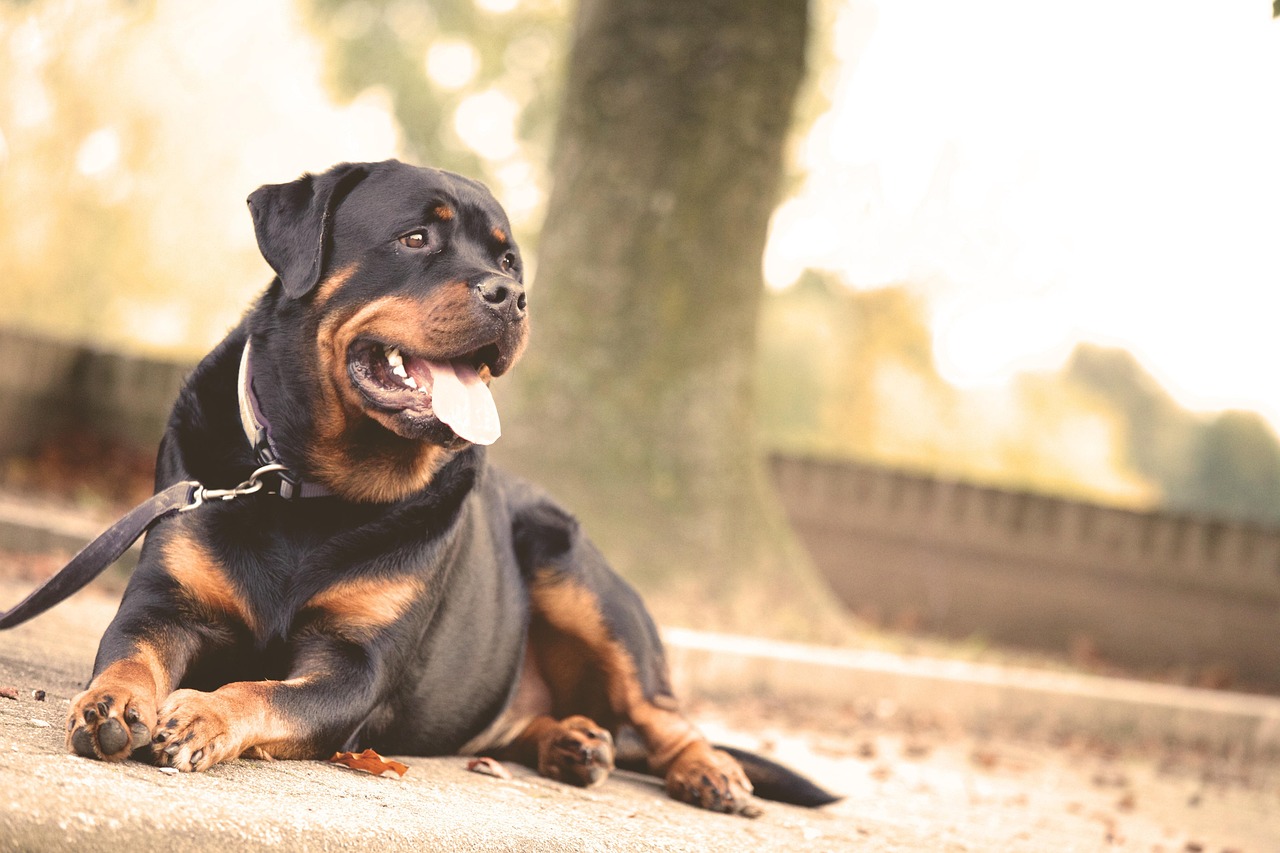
[635,404]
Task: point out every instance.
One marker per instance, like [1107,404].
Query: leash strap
[94,558]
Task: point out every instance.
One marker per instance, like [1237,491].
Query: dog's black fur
[427,604]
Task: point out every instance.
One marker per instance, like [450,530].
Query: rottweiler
[372,583]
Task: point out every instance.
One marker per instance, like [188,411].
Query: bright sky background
[1046,173]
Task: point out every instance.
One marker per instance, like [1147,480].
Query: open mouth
[417,391]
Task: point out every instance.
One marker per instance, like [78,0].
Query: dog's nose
[503,295]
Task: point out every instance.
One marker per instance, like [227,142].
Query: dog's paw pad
[109,722]
[113,737]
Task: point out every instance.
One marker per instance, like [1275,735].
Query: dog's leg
[335,677]
[599,652]
[336,674]
[116,714]
[143,654]
[180,607]
[305,716]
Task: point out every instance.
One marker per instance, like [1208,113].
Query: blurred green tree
[1235,470]
[1227,465]
[439,60]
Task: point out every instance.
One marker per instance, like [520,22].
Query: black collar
[258,430]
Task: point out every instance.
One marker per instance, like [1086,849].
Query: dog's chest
[287,569]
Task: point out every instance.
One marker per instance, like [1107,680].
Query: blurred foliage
[122,184]
[1225,465]
[58,229]
[848,373]
[433,56]
[518,52]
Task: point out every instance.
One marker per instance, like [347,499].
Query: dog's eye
[414,240]
[508,262]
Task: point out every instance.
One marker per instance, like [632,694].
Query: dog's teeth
[399,370]
[411,382]
[394,358]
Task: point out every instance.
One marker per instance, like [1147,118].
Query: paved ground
[913,782]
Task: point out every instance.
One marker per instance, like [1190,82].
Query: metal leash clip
[200,494]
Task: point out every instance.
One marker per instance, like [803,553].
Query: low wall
[1146,589]
[48,387]
[1153,590]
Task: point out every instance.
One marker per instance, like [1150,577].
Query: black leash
[187,495]
[101,552]
[95,557]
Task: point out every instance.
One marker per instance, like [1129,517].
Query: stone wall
[1146,589]
[48,386]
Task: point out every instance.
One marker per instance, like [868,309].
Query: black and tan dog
[388,590]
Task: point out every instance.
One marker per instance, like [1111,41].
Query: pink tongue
[463,402]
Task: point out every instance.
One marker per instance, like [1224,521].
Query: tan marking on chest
[361,607]
[204,581]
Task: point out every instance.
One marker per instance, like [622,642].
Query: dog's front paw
[109,725]
[110,720]
[711,779]
[577,751]
[195,731]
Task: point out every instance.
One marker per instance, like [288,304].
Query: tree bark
[636,401]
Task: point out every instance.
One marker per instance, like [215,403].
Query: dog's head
[416,288]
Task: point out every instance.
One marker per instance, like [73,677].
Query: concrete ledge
[977,696]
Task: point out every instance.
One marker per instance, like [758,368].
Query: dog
[371,582]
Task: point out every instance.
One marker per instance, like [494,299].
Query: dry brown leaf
[488,767]
[369,762]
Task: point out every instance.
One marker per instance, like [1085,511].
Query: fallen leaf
[916,749]
[984,758]
[369,762]
[8,693]
[488,767]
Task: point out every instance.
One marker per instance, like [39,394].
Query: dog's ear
[293,222]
